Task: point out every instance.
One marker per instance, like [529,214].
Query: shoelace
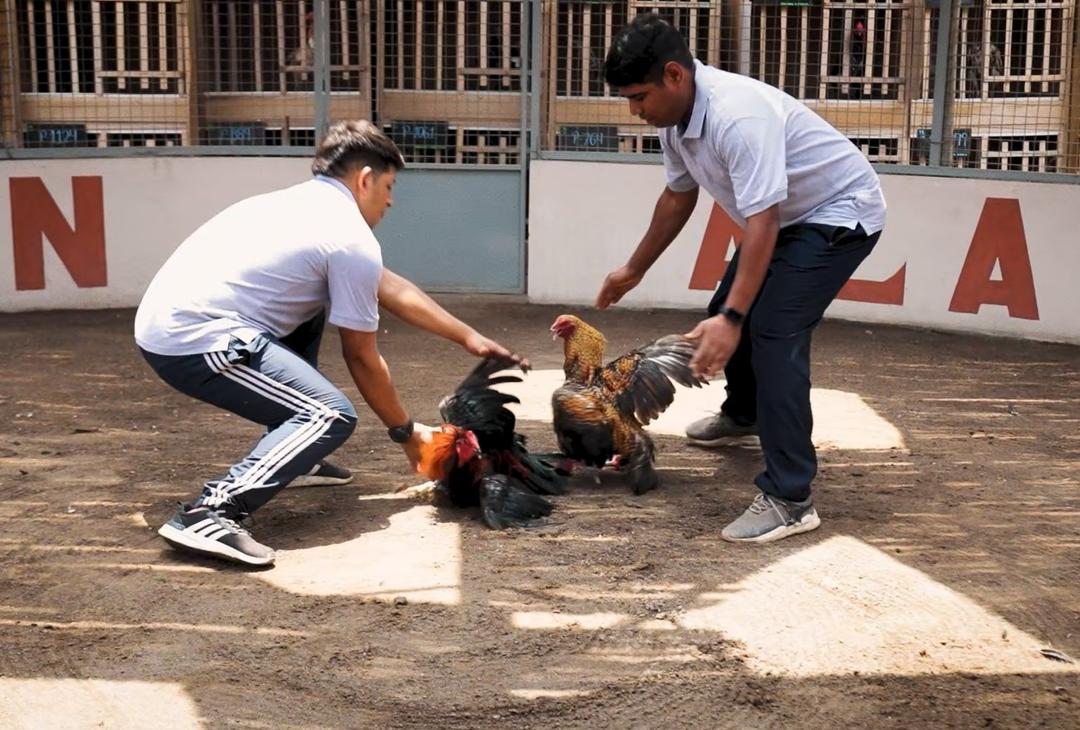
[230,524]
[217,492]
[762,503]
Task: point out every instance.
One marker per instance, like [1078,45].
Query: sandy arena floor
[946,563]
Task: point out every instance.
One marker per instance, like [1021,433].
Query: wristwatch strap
[732,315]
[401,434]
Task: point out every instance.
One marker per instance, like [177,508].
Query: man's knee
[781,326]
[344,421]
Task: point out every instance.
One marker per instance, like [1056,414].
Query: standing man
[235,316]
[811,208]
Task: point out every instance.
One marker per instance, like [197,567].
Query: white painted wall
[151,205]
[586,218]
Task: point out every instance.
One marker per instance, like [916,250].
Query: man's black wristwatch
[732,315]
[401,434]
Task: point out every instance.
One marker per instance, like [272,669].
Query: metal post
[1072,100]
[943,88]
[321,20]
[745,25]
[8,17]
[524,79]
[535,72]
[527,134]
[192,83]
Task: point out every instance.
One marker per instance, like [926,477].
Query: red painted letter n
[35,217]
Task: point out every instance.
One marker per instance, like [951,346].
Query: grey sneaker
[771,518]
[718,429]
[323,474]
[211,532]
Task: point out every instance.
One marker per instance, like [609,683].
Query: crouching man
[235,317]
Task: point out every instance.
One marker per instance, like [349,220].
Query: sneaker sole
[749,439]
[306,481]
[804,525]
[185,541]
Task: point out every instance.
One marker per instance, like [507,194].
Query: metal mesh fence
[449,78]
[255,65]
[1010,95]
[583,113]
[453,81]
[97,74]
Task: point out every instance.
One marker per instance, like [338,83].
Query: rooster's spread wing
[640,382]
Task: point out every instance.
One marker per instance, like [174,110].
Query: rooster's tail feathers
[505,505]
[540,474]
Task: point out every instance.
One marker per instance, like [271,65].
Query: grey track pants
[273,382]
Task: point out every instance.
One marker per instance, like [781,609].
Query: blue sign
[55,135]
[961,144]
[236,133]
[420,135]
[589,138]
[961,149]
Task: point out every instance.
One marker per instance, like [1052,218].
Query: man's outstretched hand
[477,344]
[616,284]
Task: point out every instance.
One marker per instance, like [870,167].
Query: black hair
[640,51]
[355,144]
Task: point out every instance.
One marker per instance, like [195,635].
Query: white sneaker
[719,429]
[771,518]
[213,533]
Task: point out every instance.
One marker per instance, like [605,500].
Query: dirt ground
[945,561]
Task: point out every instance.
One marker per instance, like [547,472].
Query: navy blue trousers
[768,376]
[274,382]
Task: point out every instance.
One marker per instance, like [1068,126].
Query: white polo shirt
[750,145]
[266,264]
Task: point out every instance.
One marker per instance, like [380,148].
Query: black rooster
[477,458]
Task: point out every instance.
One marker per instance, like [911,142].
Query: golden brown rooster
[476,457]
[600,411]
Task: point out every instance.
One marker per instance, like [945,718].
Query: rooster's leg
[640,472]
[584,470]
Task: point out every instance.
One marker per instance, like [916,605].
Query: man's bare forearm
[409,303]
[669,216]
[755,253]
[372,378]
